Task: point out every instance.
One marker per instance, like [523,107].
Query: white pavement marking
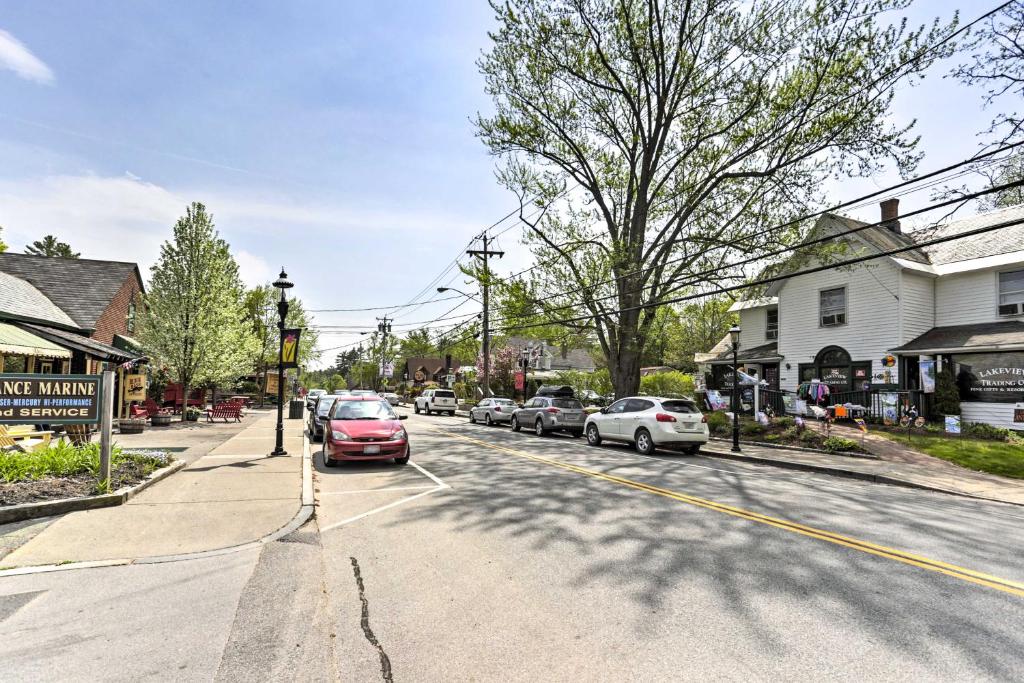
[408,499]
[390,488]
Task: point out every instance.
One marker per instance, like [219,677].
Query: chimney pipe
[890,213]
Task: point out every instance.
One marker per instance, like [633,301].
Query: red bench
[227,411]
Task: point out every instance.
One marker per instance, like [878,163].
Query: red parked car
[364,428]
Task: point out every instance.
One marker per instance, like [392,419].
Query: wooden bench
[227,411]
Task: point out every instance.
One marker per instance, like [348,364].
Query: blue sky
[331,138]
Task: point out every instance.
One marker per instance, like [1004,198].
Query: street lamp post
[283,284]
[734,336]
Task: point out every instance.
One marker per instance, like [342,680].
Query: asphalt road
[501,556]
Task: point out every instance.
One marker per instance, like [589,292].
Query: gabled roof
[82,288]
[19,300]
[431,365]
[994,243]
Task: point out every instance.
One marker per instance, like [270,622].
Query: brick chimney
[890,213]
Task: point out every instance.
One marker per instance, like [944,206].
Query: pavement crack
[385,663]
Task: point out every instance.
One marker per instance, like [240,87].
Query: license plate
[371,450]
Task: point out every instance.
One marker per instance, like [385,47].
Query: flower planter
[192,417]
[132,426]
[161,420]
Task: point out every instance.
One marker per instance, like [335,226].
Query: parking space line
[439,486]
[954,571]
[389,488]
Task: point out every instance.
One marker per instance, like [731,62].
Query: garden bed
[65,471]
[784,431]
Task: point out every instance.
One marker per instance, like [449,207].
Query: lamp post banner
[290,350]
[50,399]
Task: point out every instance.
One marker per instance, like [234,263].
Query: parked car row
[647,422]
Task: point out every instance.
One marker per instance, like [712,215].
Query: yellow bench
[24,437]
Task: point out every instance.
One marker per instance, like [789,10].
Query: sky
[333,139]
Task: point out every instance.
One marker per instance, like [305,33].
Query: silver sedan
[492,411]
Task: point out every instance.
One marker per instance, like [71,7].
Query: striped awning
[16,340]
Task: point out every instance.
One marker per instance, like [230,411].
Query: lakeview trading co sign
[50,399]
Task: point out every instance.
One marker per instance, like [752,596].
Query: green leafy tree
[260,305]
[658,138]
[3,245]
[51,246]
[193,322]
[947,396]
[669,384]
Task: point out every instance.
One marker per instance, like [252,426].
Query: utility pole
[483,255]
[384,327]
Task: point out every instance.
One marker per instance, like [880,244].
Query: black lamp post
[734,336]
[283,284]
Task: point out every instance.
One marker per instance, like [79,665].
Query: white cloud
[254,270]
[19,59]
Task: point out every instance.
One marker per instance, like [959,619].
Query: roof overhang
[754,303]
[728,361]
[959,349]
[983,263]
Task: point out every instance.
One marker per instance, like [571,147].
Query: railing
[858,398]
[772,398]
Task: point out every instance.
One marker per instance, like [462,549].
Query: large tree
[51,246]
[652,141]
[260,304]
[193,321]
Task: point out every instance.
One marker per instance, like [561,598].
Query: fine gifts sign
[134,388]
[50,399]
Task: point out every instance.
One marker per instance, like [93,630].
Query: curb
[305,513]
[849,474]
[778,447]
[49,508]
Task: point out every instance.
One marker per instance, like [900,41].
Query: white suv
[436,401]
[649,422]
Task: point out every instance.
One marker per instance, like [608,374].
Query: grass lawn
[994,457]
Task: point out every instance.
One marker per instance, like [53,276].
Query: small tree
[51,246]
[193,321]
[947,396]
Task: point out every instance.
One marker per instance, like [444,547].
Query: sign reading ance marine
[990,377]
[50,399]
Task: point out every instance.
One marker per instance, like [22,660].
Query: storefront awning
[16,340]
[1003,336]
[126,343]
[96,349]
[765,353]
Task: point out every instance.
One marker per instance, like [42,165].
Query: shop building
[866,329]
[71,316]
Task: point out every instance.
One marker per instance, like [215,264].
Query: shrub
[980,430]
[784,422]
[751,429]
[791,433]
[839,444]
[667,384]
[771,438]
[808,437]
[718,422]
[62,459]
[947,396]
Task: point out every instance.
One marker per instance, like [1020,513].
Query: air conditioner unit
[1011,309]
[771,334]
[833,320]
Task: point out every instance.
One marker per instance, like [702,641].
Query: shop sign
[990,377]
[50,399]
[271,385]
[134,388]
[836,376]
[387,369]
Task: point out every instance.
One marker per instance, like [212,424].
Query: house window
[772,325]
[1011,293]
[832,304]
[130,323]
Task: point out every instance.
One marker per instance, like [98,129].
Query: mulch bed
[128,473]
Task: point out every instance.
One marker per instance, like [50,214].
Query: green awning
[126,343]
[16,340]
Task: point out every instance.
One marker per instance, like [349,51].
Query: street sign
[449,379]
[50,399]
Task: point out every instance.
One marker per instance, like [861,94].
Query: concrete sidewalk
[926,473]
[234,495]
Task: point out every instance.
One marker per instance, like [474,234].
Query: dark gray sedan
[544,414]
[492,411]
[322,407]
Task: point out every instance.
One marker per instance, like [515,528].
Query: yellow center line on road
[962,573]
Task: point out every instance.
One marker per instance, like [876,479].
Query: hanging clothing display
[813,392]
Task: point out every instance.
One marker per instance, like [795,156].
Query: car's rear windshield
[569,403]
[680,406]
[324,405]
[444,394]
[362,410]
[504,402]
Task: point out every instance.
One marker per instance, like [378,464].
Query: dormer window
[1011,293]
[832,305]
[771,330]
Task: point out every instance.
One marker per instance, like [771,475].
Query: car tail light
[554,410]
[497,409]
[664,417]
[704,418]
